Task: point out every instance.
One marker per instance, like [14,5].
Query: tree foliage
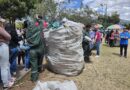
[127,26]
[85,15]
[13,9]
[78,18]
[115,18]
[46,8]
[109,20]
[50,8]
[30,4]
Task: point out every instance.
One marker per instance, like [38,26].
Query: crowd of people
[112,38]
[28,45]
[21,44]
[94,40]
[116,38]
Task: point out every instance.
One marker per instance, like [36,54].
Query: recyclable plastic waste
[65,52]
[56,85]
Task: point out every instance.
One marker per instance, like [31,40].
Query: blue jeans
[98,47]
[13,62]
[91,45]
[4,64]
[26,57]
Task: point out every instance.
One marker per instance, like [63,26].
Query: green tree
[127,25]
[85,15]
[46,8]
[114,18]
[12,9]
[109,20]
[50,8]
[30,4]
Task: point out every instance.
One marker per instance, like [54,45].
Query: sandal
[11,83]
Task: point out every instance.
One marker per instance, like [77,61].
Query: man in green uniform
[86,42]
[35,40]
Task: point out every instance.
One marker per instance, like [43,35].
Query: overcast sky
[121,6]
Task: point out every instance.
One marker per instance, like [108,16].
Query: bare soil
[108,72]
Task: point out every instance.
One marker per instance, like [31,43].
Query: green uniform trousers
[36,59]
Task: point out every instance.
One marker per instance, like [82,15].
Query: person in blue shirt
[124,36]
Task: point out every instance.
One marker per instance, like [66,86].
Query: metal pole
[106,15]
[106,9]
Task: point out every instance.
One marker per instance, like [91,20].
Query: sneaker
[97,56]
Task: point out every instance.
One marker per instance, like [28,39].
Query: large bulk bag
[65,52]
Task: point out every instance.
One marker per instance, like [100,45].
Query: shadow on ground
[116,54]
[87,60]
[105,44]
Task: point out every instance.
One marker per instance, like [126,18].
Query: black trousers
[123,47]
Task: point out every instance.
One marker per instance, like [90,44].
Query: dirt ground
[108,72]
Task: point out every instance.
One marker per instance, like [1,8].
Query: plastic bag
[56,85]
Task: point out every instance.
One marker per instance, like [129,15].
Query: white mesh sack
[65,49]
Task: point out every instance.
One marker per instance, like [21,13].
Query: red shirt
[98,34]
[45,24]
